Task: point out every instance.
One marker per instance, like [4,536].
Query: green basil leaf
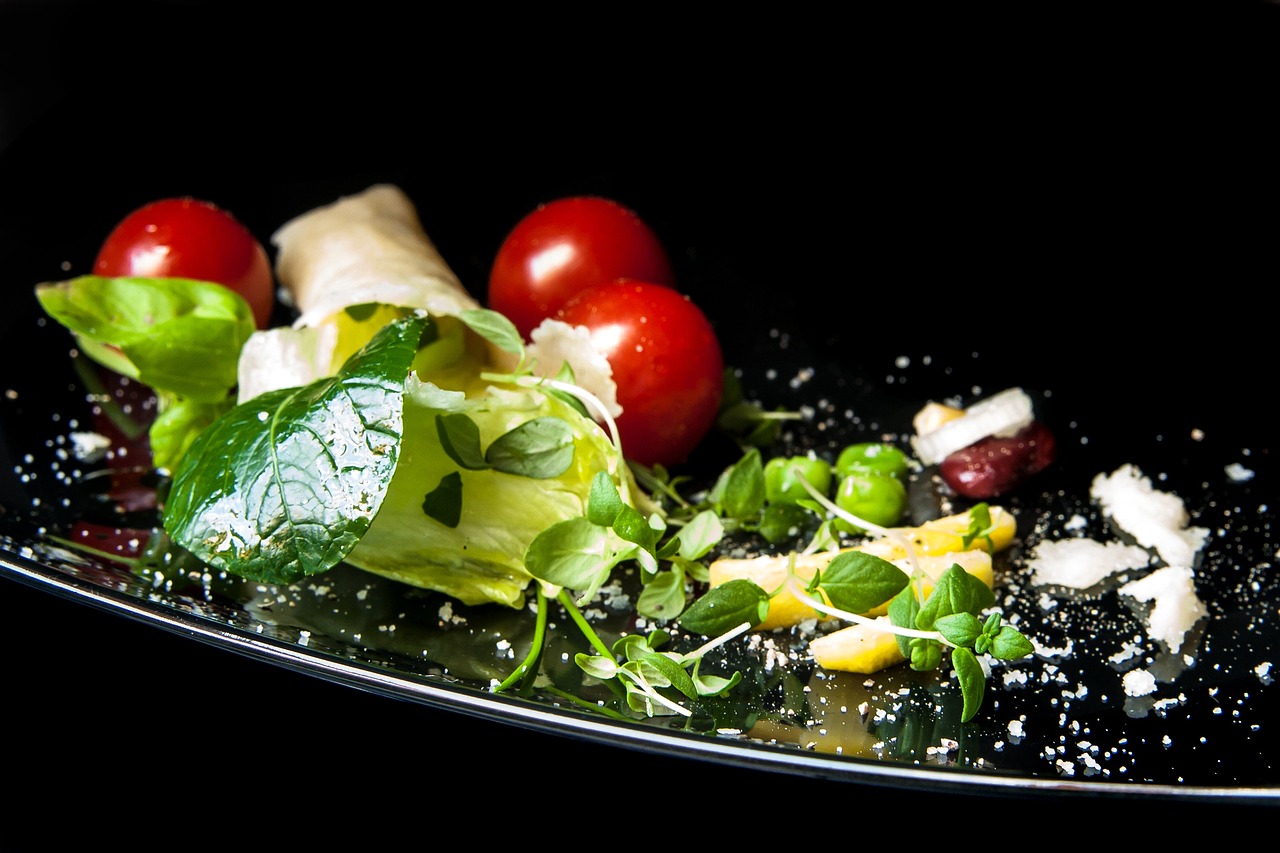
[857,581]
[285,485]
[172,334]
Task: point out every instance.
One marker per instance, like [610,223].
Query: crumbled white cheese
[1176,606]
[1082,563]
[1153,518]
[554,343]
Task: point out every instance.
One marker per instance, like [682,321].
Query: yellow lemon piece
[937,544]
[862,647]
[945,535]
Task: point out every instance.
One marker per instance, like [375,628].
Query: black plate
[859,286]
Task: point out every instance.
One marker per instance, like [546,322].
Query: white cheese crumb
[1176,606]
[1237,473]
[1263,671]
[1082,563]
[555,342]
[1155,519]
[1139,682]
[89,446]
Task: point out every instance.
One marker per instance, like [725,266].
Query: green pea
[782,478]
[877,498]
[872,456]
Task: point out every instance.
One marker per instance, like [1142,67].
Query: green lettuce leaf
[480,558]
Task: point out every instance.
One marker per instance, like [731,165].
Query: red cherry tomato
[566,246]
[666,361]
[187,238]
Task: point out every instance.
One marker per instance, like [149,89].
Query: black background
[1091,195]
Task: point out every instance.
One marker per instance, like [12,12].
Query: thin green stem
[583,703]
[587,631]
[531,661]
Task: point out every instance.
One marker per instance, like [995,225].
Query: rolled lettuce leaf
[458,523]
[350,267]
[365,248]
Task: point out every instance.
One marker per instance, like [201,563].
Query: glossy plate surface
[857,319]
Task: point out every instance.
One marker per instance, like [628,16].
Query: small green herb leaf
[603,503]
[980,526]
[1010,644]
[662,597]
[715,685]
[540,448]
[857,581]
[460,438]
[444,502]
[698,536]
[726,606]
[973,681]
[959,629]
[902,613]
[576,554]
[673,674]
[926,654]
[742,493]
[495,328]
[957,591]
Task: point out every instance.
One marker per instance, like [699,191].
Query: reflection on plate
[1061,722]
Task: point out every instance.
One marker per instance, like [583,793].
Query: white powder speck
[1016,678]
[1237,473]
[1263,671]
[89,446]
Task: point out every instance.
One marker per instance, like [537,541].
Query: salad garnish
[417,439]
